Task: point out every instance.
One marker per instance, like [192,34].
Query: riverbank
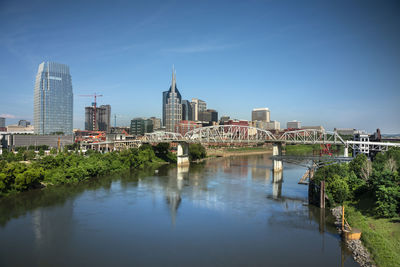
[370,193]
[68,167]
[359,252]
[381,236]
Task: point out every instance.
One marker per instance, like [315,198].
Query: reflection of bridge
[237,134]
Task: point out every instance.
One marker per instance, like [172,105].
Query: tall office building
[187,112]
[172,106]
[260,114]
[2,122]
[198,105]
[53,99]
[103,118]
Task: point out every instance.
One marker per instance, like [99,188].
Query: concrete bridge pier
[277,151]
[346,151]
[277,184]
[182,154]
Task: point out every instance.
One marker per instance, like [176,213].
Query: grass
[380,236]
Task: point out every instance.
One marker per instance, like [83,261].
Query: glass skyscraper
[172,106]
[53,99]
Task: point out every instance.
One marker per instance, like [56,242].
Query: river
[222,212]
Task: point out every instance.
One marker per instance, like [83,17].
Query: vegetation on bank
[70,167]
[371,191]
[302,149]
[196,152]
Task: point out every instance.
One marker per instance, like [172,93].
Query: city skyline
[318,63]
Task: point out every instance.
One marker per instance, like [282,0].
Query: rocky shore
[360,253]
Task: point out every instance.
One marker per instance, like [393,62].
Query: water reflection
[233,210]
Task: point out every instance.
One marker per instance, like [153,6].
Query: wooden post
[342,218]
[322,195]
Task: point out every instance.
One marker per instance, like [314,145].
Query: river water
[223,212]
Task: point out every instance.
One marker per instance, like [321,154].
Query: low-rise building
[26,140]
[345,131]
[20,129]
[185,126]
[273,125]
[361,148]
[318,127]
[293,125]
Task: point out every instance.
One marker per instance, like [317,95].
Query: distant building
[273,125]
[185,126]
[156,123]
[361,148]
[24,123]
[2,124]
[345,131]
[237,122]
[53,99]
[25,140]
[319,128]
[20,129]
[198,105]
[120,130]
[187,111]
[224,119]
[172,106]
[209,115]
[140,126]
[293,125]
[260,114]
[103,118]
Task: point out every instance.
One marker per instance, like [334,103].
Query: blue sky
[330,63]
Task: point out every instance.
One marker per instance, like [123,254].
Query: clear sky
[330,63]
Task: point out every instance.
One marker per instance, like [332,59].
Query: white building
[293,125]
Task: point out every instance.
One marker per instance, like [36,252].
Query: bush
[338,189]
[387,204]
[196,151]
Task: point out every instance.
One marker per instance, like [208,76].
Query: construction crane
[94,104]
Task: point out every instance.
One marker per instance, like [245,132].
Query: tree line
[373,183]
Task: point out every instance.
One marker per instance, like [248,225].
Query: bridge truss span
[229,134]
[310,136]
[157,137]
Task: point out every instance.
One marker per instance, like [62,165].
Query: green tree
[196,151]
[338,189]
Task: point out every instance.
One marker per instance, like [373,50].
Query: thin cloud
[8,116]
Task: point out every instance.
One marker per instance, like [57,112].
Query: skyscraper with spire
[172,105]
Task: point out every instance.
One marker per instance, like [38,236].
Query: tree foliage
[197,151]
[379,178]
[69,167]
